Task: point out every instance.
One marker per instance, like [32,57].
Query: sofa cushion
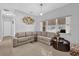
[44,42]
[28,34]
[44,38]
[50,34]
[44,34]
[20,34]
[33,33]
[39,33]
[24,38]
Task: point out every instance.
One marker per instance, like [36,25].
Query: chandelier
[41,13]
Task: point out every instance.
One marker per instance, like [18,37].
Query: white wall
[73,10]
[22,27]
[0,23]
[1,31]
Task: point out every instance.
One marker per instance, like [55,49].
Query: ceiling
[32,8]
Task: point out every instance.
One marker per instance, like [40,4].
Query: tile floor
[30,49]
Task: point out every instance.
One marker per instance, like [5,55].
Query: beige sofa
[26,37]
[45,37]
[23,37]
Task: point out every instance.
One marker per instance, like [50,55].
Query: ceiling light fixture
[41,9]
[41,14]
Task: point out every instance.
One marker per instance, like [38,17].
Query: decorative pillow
[49,34]
[20,34]
[28,34]
[44,34]
[33,33]
[39,33]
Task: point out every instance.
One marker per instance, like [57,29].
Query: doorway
[7,28]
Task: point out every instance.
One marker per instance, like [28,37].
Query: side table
[61,44]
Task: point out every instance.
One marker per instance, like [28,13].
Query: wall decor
[28,20]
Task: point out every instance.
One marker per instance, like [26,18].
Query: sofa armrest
[15,38]
[52,38]
[15,41]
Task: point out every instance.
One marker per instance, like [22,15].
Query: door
[7,28]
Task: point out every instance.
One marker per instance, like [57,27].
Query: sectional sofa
[26,37]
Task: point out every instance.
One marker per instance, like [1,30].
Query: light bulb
[41,14]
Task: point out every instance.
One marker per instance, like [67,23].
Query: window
[61,24]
